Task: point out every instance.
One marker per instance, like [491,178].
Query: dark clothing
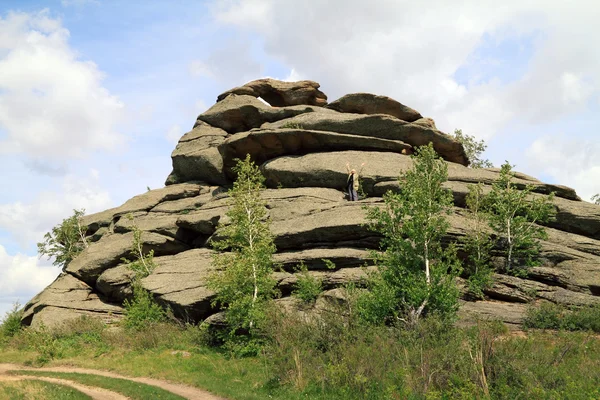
[351,191]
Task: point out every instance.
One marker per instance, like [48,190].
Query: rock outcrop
[302,146]
[281,94]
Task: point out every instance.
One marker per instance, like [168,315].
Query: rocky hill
[302,144]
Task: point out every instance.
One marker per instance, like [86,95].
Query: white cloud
[174,134]
[52,104]
[293,76]
[199,68]
[21,274]
[78,3]
[21,278]
[231,62]
[568,159]
[28,222]
[411,51]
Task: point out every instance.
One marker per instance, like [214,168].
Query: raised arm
[348,168]
[361,168]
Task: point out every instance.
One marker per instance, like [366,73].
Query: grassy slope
[541,364]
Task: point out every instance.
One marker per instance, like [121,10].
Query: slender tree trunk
[141,255]
[254,272]
[427,275]
[81,233]
[510,247]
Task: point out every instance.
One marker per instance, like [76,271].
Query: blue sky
[94,94]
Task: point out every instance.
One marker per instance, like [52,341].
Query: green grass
[133,390]
[38,390]
[334,361]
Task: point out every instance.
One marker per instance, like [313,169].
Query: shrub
[308,287]
[552,316]
[142,310]
[11,324]
[546,316]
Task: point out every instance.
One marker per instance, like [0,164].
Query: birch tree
[65,241]
[415,273]
[478,243]
[516,215]
[243,279]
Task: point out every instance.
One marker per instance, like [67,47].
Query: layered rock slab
[109,251]
[380,126]
[266,144]
[242,113]
[143,202]
[367,103]
[280,93]
[65,299]
[197,156]
[380,173]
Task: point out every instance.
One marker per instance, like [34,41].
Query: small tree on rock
[415,274]
[243,279]
[514,216]
[478,243]
[596,199]
[473,149]
[65,241]
[141,310]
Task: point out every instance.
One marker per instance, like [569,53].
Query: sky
[94,94]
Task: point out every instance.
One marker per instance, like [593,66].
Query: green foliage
[596,199]
[243,279]
[478,243]
[514,216]
[142,264]
[415,274]
[330,265]
[292,125]
[308,287]
[142,311]
[11,325]
[65,241]
[552,316]
[334,357]
[473,149]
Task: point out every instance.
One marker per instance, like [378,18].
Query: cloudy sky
[94,94]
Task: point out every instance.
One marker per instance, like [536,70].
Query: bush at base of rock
[552,316]
[142,310]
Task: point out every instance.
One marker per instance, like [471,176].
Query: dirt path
[94,393]
[185,391]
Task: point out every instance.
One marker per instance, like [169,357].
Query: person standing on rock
[352,183]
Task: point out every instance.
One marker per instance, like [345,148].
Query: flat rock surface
[367,103]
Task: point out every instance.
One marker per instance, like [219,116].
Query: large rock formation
[302,145]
